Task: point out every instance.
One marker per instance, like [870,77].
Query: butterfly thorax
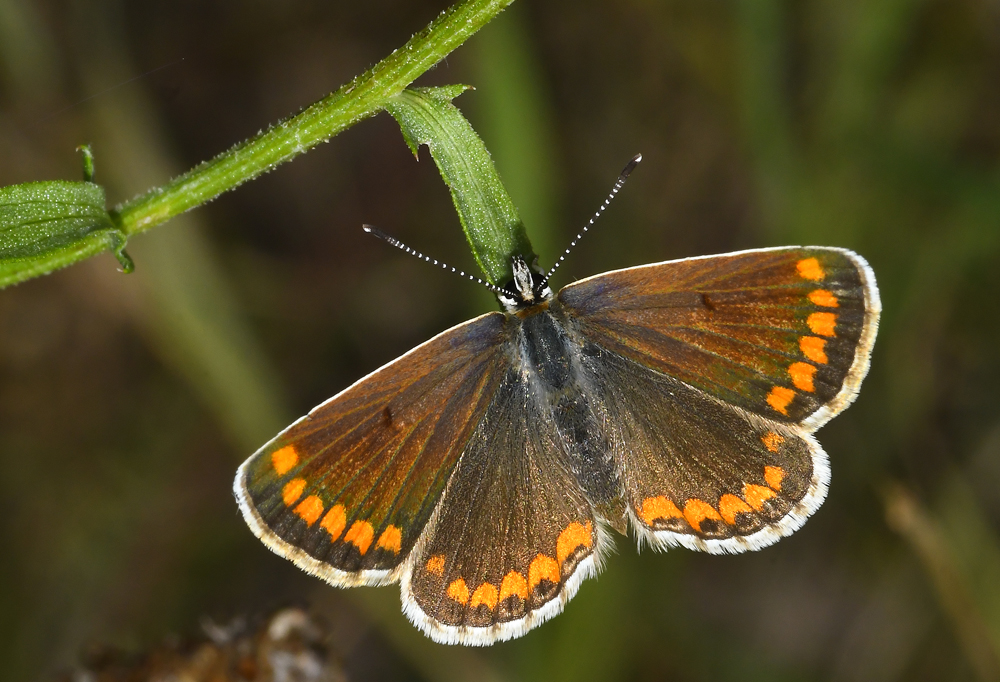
[550,357]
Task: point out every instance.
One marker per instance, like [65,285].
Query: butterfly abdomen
[551,359]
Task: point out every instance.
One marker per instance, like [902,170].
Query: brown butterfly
[485,468]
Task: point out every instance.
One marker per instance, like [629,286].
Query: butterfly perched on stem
[486,468]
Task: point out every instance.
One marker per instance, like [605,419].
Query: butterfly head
[526,290]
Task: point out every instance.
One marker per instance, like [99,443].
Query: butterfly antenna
[372,230]
[629,167]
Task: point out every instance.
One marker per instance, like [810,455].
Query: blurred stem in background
[187,308]
[767,123]
[512,112]
[27,54]
[905,515]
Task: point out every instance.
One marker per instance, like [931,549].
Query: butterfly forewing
[514,535]
[783,333]
[346,491]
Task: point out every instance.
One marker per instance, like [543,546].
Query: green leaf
[488,216]
[47,225]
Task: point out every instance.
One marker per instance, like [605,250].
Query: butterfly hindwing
[346,491]
[784,333]
[514,535]
[702,474]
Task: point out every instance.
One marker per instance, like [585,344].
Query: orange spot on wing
[391,539]
[730,506]
[696,511]
[823,324]
[542,568]
[809,268]
[436,564]
[772,441]
[779,398]
[757,495]
[573,536]
[513,585]
[284,459]
[335,521]
[458,591]
[310,509]
[813,348]
[361,535]
[802,376]
[658,508]
[484,594]
[773,476]
[824,298]
[293,490]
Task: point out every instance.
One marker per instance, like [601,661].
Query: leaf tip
[116,242]
[88,162]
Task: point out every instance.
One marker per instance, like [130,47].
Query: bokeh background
[126,402]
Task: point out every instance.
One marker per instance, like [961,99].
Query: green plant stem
[362,97]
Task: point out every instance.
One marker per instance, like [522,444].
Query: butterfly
[486,469]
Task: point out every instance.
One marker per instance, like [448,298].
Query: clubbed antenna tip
[622,177]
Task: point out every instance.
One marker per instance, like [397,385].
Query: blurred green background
[126,402]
